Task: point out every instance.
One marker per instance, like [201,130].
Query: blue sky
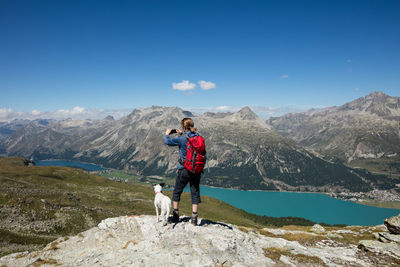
[125,54]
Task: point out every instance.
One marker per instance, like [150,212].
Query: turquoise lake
[313,206]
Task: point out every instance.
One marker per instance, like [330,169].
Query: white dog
[163,202]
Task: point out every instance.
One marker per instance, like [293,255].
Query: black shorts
[185,177]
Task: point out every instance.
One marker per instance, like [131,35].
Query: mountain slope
[41,203]
[44,138]
[243,150]
[364,130]
[8,127]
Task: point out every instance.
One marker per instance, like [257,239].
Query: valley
[349,152]
[255,156]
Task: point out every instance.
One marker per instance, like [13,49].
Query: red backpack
[195,154]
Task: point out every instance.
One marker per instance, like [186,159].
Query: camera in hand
[173,131]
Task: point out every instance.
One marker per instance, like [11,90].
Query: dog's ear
[162,184]
[154,185]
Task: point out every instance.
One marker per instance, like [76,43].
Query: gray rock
[287,261]
[378,237]
[393,224]
[345,231]
[376,246]
[141,241]
[386,237]
[317,229]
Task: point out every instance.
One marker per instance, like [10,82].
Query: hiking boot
[194,220]
[175,217]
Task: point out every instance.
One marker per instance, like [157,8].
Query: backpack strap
[181,160]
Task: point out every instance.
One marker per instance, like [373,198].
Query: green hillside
[40,204]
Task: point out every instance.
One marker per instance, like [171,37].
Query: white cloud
[284,76]
[227,109]
[75,111]
[183,86]
[207,85]
[78,110]
[5,113]
[35,112]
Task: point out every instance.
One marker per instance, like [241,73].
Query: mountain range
[244,151]
[362,133]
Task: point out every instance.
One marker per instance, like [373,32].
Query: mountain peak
[246,113]
[377,94]
[377,103]
[109,118]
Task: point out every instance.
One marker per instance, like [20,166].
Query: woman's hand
[179,131]
[168,131]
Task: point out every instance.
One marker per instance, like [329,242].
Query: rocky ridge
[140,241]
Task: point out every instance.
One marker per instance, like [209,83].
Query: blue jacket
[180,141]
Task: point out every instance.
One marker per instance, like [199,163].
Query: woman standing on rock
[192,176]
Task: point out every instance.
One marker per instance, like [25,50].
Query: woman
[184,176]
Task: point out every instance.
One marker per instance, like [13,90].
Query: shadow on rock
[203,222]
[207,222]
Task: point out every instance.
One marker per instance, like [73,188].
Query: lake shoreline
[385,204]
[314,206]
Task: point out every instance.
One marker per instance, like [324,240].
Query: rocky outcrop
[387,237]
[393,224]
[388,243]
[380,247]
[140,241]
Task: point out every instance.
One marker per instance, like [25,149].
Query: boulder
[386,237]
[318,229]
[379,238]
[380,247]
[393,224]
